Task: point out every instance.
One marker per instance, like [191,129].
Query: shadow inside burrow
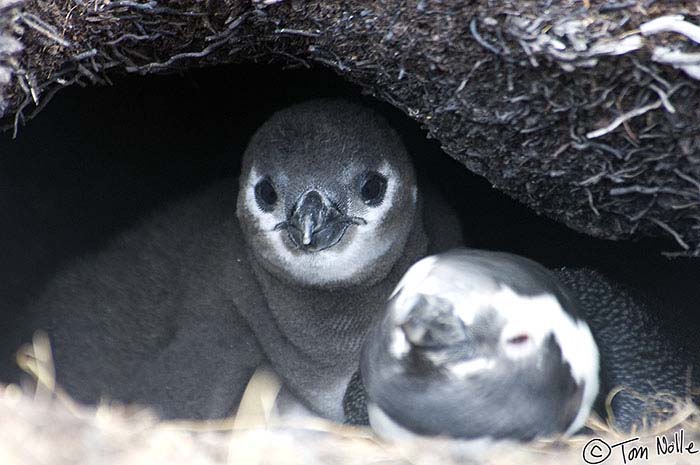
[98,160]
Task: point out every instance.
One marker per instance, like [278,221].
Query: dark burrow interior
[98,160]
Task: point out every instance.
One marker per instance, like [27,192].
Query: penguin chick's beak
[433,324]
[316,224]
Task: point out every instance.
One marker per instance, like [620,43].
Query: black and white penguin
[177,313]
[488,346]
[478,345]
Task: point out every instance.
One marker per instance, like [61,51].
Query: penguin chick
[333,217]
[479,345]
[290,270]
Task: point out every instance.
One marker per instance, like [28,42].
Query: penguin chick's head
[480,344]
[327,195]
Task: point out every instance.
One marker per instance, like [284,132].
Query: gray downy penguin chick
[332,214]
[479,346]
[634,354]
[177,313]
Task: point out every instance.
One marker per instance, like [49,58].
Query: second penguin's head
[480,345]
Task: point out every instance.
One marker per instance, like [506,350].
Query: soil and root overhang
[586,111]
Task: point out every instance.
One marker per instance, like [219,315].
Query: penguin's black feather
[635,350]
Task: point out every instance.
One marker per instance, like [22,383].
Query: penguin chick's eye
[518,339]
[265,195]
[373,189]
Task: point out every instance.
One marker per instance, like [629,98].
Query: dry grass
[44,426]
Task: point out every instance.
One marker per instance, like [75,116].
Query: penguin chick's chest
[313,337]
